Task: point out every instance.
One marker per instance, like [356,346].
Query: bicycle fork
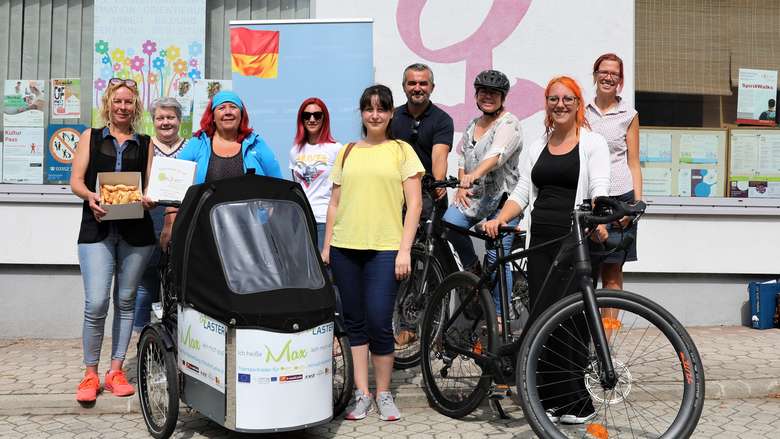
[582,272]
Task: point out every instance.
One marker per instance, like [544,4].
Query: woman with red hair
[616,120]
[312,157]
[567,165]
[225,147]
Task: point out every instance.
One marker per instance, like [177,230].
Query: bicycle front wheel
[413,293]
[660,388]
[455,379]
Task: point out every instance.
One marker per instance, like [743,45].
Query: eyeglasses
[415,132]
[567,100]
[305,116]
[115,82]
[607,74]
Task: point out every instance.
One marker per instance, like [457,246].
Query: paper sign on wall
[23,155]
[24,102]
[65,98]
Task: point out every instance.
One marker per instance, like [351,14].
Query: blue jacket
[257,155]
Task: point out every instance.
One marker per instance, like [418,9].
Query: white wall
[552,38]
[39,233]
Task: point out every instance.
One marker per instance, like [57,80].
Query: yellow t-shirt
[372,195]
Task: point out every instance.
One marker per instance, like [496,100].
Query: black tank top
[102,158]
[556,177]
[224,167]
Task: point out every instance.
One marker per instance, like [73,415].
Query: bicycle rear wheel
[660,389]
[410,302]
[454,383]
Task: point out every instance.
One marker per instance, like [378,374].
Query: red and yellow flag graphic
[254,52]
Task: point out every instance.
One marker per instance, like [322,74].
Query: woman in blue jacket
[225,147]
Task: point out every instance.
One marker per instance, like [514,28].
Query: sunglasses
[305,116]
[115,82]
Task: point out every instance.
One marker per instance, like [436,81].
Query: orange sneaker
[116,383]
[88,388]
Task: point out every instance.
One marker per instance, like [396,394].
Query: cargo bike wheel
[343,374]
[158,388]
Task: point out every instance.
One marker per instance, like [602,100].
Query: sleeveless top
[102,158]
[224,167]
[613,125]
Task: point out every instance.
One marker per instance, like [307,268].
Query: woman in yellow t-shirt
[368,243]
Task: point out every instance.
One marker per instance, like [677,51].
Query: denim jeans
[99,263]
[465,248]
[367,285]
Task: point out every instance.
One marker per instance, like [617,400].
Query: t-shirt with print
[310,166]
[372,195]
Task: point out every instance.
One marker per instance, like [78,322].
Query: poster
[202,91]
[757,92]
[61,147]
[699,149]
[135,40]
[23,155]
[754,166]
[655,147]
[278,75]
[201,347]
[294,368]
[657,182]
[697,182]
[65,98]
[24,102]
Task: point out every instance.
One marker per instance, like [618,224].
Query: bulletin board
[754,164]
[683,162]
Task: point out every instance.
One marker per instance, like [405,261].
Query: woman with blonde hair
[111,249]
[568,164]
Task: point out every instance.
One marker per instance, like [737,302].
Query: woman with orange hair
[567,164]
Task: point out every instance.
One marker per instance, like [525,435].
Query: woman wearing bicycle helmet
[568,164]
[488,152]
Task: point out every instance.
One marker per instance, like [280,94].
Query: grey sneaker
[361,406]
[387,409]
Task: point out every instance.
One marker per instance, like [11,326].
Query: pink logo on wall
[525,97]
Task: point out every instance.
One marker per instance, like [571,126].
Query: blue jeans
[468,256]
[320,235]
[367,285]
[99,263]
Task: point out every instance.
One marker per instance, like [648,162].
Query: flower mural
[137,63]
[173,53]
[158,70]
[180,66]
[149,47]
[101,47]
[118,55]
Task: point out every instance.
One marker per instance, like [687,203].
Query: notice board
[754,164]
[678,162]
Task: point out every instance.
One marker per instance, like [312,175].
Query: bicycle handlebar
[430,184]
[618,210]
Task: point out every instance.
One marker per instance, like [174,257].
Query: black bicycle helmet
[492,79]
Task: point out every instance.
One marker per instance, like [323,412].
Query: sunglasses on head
[305,116]
[118,81]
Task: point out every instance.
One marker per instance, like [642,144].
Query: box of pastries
[120,195]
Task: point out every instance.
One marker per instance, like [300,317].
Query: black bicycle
[432,259]
[641,370]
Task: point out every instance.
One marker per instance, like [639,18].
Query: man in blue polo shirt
[424,125]
[429,130]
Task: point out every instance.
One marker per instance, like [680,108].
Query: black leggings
[561,386]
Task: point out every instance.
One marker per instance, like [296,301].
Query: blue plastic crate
[763,301]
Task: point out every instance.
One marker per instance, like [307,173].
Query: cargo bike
[247,333]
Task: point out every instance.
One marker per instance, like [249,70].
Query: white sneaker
[387,409]
[361,406]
